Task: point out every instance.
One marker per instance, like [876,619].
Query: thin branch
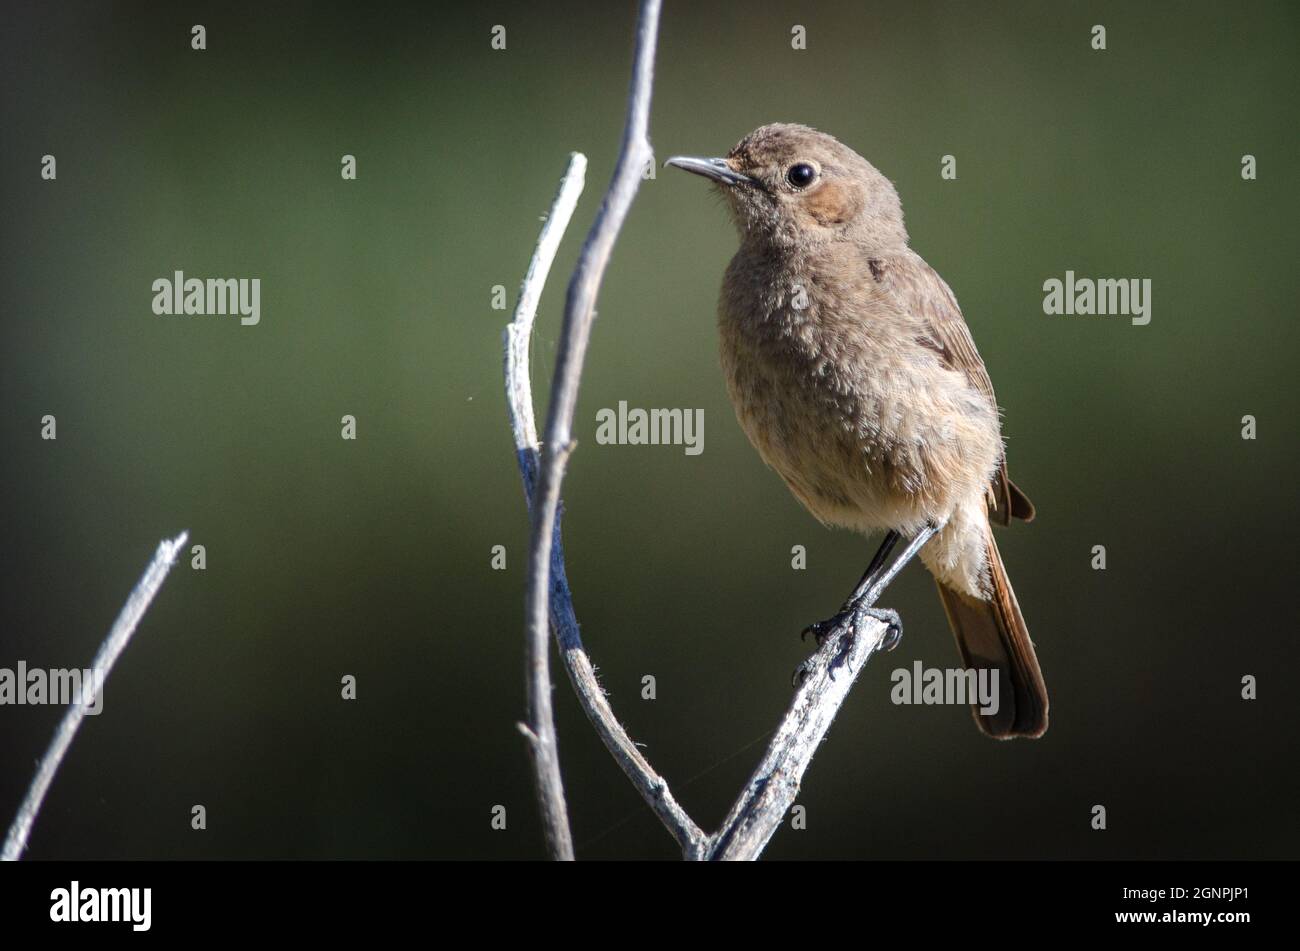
[563,620]
[540,729]
[549,601]
[134,609]
[579,313]
[772,788]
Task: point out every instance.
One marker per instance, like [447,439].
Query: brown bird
[854,375]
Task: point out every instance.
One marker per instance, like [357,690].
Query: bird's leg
[874,569]
[861,603]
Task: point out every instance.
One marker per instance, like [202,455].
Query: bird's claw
[893,626]
[850,618]
[823,630]
[848,621]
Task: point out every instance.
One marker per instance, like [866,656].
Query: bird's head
[790,184]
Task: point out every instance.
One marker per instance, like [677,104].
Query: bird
[854,375]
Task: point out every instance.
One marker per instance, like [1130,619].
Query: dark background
[372,557]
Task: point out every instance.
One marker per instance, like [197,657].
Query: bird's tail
[992,634]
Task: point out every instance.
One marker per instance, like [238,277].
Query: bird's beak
[714,168]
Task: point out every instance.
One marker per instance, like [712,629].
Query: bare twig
[830,673]
[540,729]
[579,312]
[772,788]
[123,628]
[549,601]
[519,399]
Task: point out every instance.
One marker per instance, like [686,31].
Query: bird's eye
[801,175]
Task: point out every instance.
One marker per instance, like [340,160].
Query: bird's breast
[834,392]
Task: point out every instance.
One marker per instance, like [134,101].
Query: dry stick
[123,628]
[772,788]
[546,576]
[830,672]
[540,729]
[519,399]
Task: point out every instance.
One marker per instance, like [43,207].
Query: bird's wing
[920,290]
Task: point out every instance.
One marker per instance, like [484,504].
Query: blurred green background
[372,557]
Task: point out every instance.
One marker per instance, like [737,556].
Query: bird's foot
[846,622]
[850,617]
